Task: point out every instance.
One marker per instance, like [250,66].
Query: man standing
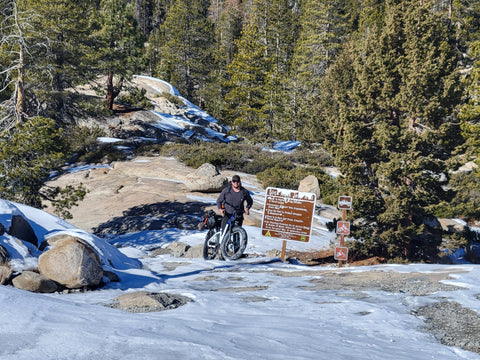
[231,200]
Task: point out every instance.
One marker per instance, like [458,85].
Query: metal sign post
[288,214]
[343,228]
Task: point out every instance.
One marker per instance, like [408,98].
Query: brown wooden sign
[288,214]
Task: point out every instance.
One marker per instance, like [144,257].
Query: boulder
[310,185]
[21,229]
[32,281]
[144,301]
[71,262]
[4,255]
[5,273]
[206,178]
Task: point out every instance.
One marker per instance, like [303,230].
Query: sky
[240,309]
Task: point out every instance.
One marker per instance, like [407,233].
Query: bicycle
[232,241]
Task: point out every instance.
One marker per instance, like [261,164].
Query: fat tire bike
[231,241]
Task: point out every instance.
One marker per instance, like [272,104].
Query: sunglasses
[235,181]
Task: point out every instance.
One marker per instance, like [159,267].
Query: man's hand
[222,211]
[247,211]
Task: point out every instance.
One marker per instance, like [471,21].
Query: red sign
[345,202]
[343,227]
[288,214]
[341,253]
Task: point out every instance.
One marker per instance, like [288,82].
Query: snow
[241,309]
[268,317]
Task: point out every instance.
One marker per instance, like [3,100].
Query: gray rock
[206,179]
[71,262]
[21,229]
[5,273]
[32,281]
[194,252]
[310,185]
[143,301]
[4,255]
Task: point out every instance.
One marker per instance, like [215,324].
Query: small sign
[345,202]
[343,227]
[341,253]
[288,214]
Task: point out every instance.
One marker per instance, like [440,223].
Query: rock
[71,262]
[143,301]
[21,229]
[5,273]
[4,255]
[310,185]
[32,281]
[206,179]
[194,252]
[177,248]
[452,226]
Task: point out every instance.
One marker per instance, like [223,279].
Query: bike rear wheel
[211,244]
[234,246]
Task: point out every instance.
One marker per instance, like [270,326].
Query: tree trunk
[109,98]
[20,101]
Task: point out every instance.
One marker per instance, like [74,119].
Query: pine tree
[120,45]
[185,51]
[320,37]
[67,28]
[402,68]
[227,20]
[246,79]
[28,154]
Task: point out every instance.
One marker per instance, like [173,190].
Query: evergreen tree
[227,19]
[25,59]
[320,37]
[120,45]
[389,141]
[28,153]
[67,28]
[185,51]
[246,74]
[268,38]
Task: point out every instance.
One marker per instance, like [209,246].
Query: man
[232,199]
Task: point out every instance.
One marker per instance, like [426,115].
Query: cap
[236,178]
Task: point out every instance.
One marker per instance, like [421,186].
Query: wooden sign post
[343,228]
[288,214]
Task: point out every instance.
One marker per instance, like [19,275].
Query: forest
[389,88]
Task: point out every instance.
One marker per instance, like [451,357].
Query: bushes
[136,98]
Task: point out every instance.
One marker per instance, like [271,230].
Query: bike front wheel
[211,244]
[234,246]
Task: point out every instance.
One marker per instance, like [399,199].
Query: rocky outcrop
[71,262]
[144,301]
[206,178]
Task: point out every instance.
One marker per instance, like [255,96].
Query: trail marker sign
[288,214]
[345,202]
[341,253]
[343,228]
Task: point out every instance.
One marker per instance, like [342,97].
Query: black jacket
[234,201]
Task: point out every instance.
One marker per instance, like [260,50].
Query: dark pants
[226,217]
